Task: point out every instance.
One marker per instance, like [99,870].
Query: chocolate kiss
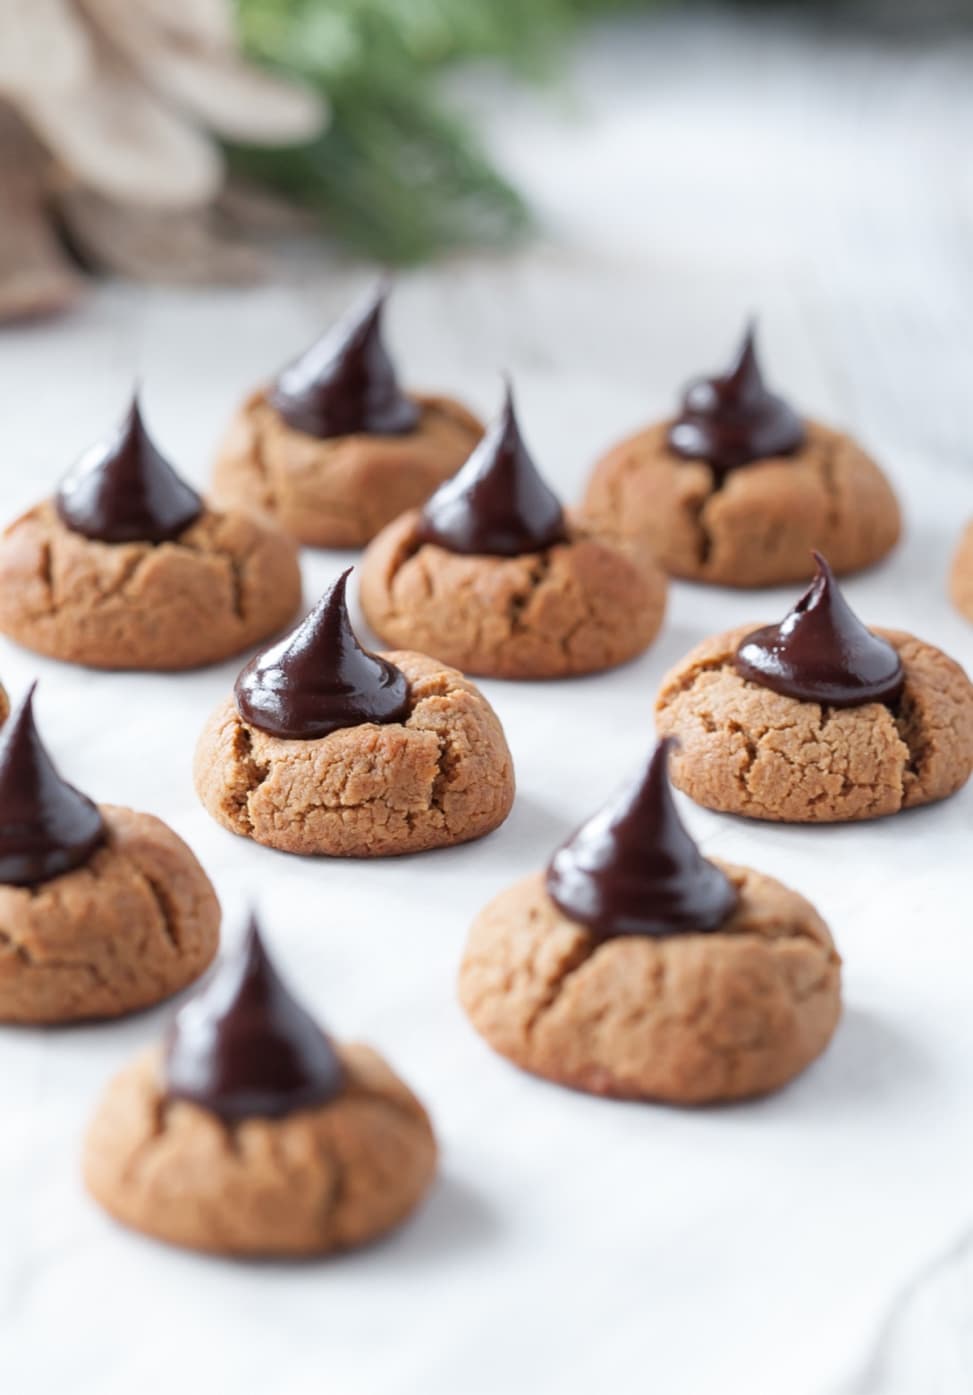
[125,491]
[633,869]
[46,826]
[821,652]
[732,420]
[345,383]
[243,1047]
[497,504]
[319,678]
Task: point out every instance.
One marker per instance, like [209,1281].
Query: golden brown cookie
[961,574]
[133,925]
[744,749]
[339,491]
[576,607]
[759,527]
[322,1179]
[688,1019]
[441,776]
[222,585]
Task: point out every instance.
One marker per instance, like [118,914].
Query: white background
[700,170]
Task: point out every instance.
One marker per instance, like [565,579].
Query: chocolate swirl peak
[497,505]
[124,491]
[821,652]
[633,869]
[319,678]
[733,420]
[346,383]
[243,1047]
[46,826]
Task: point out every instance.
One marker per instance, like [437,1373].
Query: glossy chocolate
[733,420]
[125,491]
[497,505]
[319,678]
[244,1048]
[46,826]
[633,869]
[346,383]
[821,652]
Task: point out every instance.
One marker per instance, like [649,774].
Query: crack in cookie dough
[684,1018]
[747,750]
[757,526]
[442,776]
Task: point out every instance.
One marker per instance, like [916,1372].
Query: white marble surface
[700,171]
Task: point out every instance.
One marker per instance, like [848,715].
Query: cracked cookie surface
[744,749]
[760,527]
[340,491]
[133,925]
[687,1019]
[319,1180]
[577,607]
[222,585]
[442,776]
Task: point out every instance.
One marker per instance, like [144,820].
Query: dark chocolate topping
[244,1048]
[498,504]
[319,678]
[733,420]
[633,869]
[46,826]
[345,383]
[821,652]
[125,491]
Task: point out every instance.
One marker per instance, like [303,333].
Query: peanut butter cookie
[334,450]
[103,910]
[327,749]
[252,1134]
[637,969]
[492,577]
[961,574]
[126,568]
[748,745]
[738,490]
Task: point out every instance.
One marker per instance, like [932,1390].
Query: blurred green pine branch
[397,176]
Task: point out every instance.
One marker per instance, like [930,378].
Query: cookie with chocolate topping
[738,488]
[493,576]
[335,449]
[634,967]
[818,719]
[252,1133]
[328,749]
[104,910]
[128,568]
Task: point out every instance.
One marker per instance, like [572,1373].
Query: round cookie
[104,910]
[220,587]
[961,574]
[431,771]
[338,491]
[753,523]
[637,969]
[745,749]
[294,1147]
[134,925]
[334,450]
[493,578]
[126,568]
